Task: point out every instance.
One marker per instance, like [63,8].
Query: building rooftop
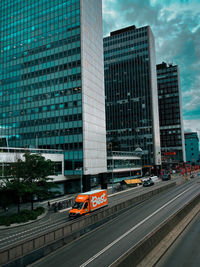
[127,29]
[164,65]
[191,135]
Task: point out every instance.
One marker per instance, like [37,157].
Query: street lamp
[81,180]
[112,169]
[138,151]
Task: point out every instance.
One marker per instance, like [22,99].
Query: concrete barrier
[25,252]
[134,256]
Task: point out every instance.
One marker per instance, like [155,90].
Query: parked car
[148,182]
[166,176]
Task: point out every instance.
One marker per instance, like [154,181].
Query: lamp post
[138,151]
[81,177]
[81,182]
[112,169]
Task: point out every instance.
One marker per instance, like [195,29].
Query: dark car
[166,176]
[148,182]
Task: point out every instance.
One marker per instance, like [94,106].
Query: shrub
[23,216]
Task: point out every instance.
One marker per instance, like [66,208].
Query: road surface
[104,245]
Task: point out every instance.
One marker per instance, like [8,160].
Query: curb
[14,225]
[153,245]
[156,254]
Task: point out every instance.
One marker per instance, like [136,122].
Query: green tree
[13,184]
[36,176]
[31,178]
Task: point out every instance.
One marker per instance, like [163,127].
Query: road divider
[136,254]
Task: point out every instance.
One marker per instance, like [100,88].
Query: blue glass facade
[41,76]
[192,148]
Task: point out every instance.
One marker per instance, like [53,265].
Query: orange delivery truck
[88,202]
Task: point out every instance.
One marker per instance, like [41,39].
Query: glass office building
[131,93]
[52,80]
[170,114]
[192,148]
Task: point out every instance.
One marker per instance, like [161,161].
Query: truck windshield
[78,205]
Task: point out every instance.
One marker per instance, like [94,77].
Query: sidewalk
[12,209]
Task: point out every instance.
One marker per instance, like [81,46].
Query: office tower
[170,114]
[192,148]
[52,80]
[131,93]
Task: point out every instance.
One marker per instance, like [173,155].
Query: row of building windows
[64,146]
[41,9]
[171,143]
[168,86]
[29,44]
[42,60]
[61,106]
[121,48]
[52,70]
[134,53]
[15,4]
[64,79]
[15,54]
[167,71]
[51,120]
[46,85]
[73,120]
[51,82]
[41,134]
[166,122]
[168,80]
[42,26]
[124,39]
[40,97]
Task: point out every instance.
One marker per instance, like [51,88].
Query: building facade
[170,115]
[52,80]
[131,93]
[123,165]
[192,148]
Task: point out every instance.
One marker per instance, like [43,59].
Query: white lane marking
[132,229]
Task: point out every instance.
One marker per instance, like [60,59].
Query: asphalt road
[104,245]
[185,251]
[51,220]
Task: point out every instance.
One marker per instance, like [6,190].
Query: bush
[22,217]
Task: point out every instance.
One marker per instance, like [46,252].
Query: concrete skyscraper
[131,93]
[52,80]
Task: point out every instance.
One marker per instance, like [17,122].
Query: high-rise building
[131,93]
[52,80]
[192,148]
[170,114]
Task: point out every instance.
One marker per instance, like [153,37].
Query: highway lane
[104,245]
[52,220]
[185,250]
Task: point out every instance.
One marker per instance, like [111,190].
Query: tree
[13,183]
[30,177]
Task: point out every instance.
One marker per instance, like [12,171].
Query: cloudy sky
[176,28]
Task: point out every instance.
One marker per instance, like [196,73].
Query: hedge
[22,217]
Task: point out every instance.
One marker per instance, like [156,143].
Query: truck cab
[81,206]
